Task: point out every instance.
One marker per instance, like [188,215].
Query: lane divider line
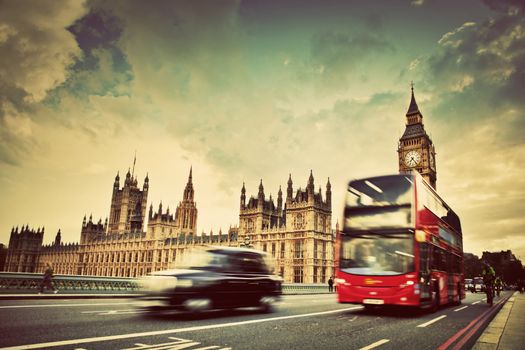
[171,331]
[461,308]
[57,305]
[432,321]
[376,344]
[475,324]
[476,302]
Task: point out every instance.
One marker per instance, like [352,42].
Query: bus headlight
[421,236]
[341,281]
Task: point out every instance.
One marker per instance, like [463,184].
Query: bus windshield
[377,254]
[379,202]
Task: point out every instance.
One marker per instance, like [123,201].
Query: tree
[513,271]
[473,265]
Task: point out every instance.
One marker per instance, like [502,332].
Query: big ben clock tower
[416,150]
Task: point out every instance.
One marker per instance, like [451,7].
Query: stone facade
[296,232]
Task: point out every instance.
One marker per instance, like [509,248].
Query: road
[300,322]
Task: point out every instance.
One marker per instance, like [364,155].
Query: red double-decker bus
[400,244]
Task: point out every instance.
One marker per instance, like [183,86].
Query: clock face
[412,158]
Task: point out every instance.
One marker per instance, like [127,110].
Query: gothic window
[282,250]
[298,274]
[249,225]
[298,249]
[273,250]
[299,221]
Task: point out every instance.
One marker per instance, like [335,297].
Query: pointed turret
[413,108]
[128,177]
[146,182]
[116,184]
[280,199]
[58,238]
[328,192]
[260,195]
[310,187]
[289,189]
[151,211]
[243,196]
[188,191]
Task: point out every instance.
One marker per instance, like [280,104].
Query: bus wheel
[458,302]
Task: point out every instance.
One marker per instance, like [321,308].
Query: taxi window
[247,263]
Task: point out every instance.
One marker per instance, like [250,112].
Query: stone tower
[415,149]
[296,231]
[128,205]
[92,230]
[24,249]
[186,212]
[183,223]
[260,214]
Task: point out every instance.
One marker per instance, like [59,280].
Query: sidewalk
[507,330]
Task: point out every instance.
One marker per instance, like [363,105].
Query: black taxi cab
[213,278]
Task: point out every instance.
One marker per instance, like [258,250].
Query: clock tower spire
[415,149]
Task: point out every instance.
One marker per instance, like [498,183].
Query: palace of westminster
[296,230]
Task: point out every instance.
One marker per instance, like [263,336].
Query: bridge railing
[29,283]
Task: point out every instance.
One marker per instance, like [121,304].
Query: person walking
[47,280]
[330,285]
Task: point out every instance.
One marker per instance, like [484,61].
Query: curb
[489,339]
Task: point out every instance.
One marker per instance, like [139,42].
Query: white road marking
[179,343]
[484,299]
[114,312]
[432,321]
[461,308]
[57,305]
[376,344]
[476,302]
[170,331]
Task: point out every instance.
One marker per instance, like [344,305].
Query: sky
[247,90]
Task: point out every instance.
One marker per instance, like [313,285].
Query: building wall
[297,233]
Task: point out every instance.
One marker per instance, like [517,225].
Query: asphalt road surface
[300,322]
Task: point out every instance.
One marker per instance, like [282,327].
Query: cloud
[336,56]
[507,6]
[37,50]
[36,53]
[476,80]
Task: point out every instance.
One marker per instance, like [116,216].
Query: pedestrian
[330,285]
[47,280]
